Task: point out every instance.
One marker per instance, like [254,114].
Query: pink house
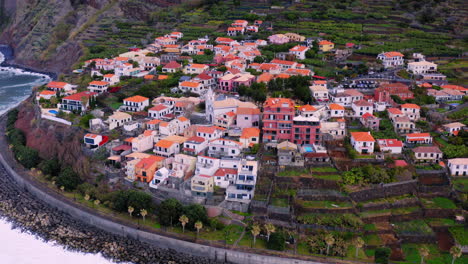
[248,117]
[230,82]
[278,39]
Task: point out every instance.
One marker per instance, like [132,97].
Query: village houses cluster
[167,143]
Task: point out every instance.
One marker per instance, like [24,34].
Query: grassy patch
[326,204]
[438,203]
[279,202]
[405,210]
[375,213]
[411,252]
[247,241]
[460,184]
[324,169]
[330,177]
[460,234]
[372,240]
[292,173]
[415,227]
[370,227]
[441,222]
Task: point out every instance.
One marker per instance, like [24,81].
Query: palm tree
[455,252]
[143,213]
[183,219]
[130,210]
[198,226]
[62,188]
[330,240]
[97,202]
[358,243]
[270,228]
[255,232]
[87,197]
[423,252]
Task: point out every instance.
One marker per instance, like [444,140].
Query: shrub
[136,199]
[277,241]
[68,179]
[28,157]
[50,167]
[382,255]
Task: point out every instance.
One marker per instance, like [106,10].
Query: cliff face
[48,35]
[52,139]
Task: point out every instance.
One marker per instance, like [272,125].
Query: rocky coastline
[31,215]
[9,61]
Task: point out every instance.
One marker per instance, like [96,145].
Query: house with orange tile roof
[153,124]
[455,87]
[166,148]
[235,31]
[326,45]
[363,142]
[285,65]
[307,110]
[209,132]
[224,176]
[300,72]
[299,51]
[336,110]
[413,111]
[418,138]
[146,167]
[192,86]
[98,86]
[249,137]
[394,112]
[77,102]
[165,41]
[135,103]
[370,121]
[265,77]
[46,95]
[226,120]
[195,68]
[167,128]
[225,41]
[391,59]
[111,78]
[175,35]
[454,128]
[61,87]
[247,117]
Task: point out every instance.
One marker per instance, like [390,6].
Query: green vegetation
[325,204]
[439,202]
[369,174]
[372,240]
[460,184]
[330,177]
[344,220]
[415,227]
[292,173]
[441,222]
[324,169]
[460,234]
[279,202]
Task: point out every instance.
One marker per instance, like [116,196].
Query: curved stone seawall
[187,252]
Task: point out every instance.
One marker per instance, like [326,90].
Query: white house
[224,148]
[194,87]
[319,92]
[195,145]
[195,68]
[391,59]
[249,137]
[158,111]
[361,107]
[347,97]
[61,87]
[144,141]
[223,177]
[118,119]
[209,132]
[77,101]
[418,138]
[363,142]
[111,78]
[299,52]
[420,67]
[92,140]
[453,128]
[336,110]
[161,176]
[207,165]
[244,185]
[393,146]
[166,148]
[412,111]
[98,86]
[135,103]
[458,167]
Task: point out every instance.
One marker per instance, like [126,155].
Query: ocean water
[23,248]
[16,85]
[17,247]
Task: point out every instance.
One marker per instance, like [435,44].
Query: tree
[358,243]
[195,212]
[169,211]
[87,197]
[382,255]
[138,200]
[255,232]
[198,225]
[423,252]
[130,210]
[143,214]
[27,156]
[455,252]
[68,179]
[330,240]
[183,219]
[269,228]
[97,202]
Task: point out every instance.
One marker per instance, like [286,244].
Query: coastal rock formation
[53,140]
